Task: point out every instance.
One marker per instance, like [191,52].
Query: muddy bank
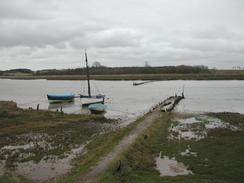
[41,145]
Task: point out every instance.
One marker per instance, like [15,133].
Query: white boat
[86,100]
[93,99]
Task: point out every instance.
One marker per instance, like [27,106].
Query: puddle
[188,152]
[196,128]
[190,120]
[40,156]
[22,151]
[212,123]
[187,131]
[170,167]
[24,144]
[50,168]
[12,147]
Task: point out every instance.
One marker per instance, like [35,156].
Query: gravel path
[105,162]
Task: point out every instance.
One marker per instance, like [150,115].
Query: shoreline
[146,77]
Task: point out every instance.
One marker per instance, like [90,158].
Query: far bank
[156,77]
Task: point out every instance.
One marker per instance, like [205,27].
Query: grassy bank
[99,147]
[54,135]
[219,156]
[30,135]
[219,75]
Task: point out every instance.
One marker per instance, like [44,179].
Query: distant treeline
[18,71]
[182,69]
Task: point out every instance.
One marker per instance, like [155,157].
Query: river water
[126,101]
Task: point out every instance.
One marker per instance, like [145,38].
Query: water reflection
[60,105]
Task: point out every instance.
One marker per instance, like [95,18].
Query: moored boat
[60,97]
[86,100]
[97,108]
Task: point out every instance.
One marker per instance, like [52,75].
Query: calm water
[126,101]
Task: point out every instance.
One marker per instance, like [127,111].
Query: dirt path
[104,163]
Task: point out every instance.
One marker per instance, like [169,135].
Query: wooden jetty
[170,103]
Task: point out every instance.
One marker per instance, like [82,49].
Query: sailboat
[86,100]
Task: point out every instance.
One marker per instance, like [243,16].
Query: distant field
[218,75]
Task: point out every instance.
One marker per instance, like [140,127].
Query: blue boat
[60,97]
[97,108]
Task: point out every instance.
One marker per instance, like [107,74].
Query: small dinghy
[60,97]
[97,108]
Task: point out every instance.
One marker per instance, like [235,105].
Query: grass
[10,178]
[62,131]
[232,118]
[99,147]
[219,157]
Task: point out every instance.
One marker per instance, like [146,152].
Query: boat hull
[60,97]
[60,101]
[97,108]
[89,101]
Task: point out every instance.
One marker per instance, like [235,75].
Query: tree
[97,64]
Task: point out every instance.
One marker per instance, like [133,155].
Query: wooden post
[182,94]
[119,167]
[37,107]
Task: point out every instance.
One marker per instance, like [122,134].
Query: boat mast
[88,75]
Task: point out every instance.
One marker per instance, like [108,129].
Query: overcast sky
[41,34]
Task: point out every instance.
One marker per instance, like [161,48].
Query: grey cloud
[41,33]
[213,44]
[51,33]
[117,37]
[26,9]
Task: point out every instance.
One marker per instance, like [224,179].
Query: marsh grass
[10,178]
[51,133]
[98,148]
[219,157]
[62,131]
